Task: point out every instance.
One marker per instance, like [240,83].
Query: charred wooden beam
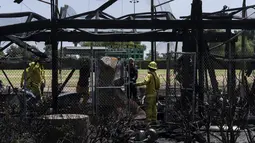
[66,81]
[21,14]
[158,24]
[26,46]
[25,27]
[101,8]
[84,36]
[6,46]
[129,24]
[5,75]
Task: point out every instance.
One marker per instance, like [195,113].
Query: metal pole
[60,61]
[134,5]
[94,83]
[92,80]
[231,83]
[24,113]
[163,3]
[168,70]
[194,86]
[134,2]
[167,81]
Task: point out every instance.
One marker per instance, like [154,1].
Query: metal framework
[129,24]
[190,31]
[107,36]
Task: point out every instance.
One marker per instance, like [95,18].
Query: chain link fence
[180,89]
[94,80]
[98,85]
[93,86]
[112,86]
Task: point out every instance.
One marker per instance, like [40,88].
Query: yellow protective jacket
[152,83]
[35,75]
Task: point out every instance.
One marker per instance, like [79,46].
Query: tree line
[116,44]
[16,51]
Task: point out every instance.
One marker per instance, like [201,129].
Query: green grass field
[15,77]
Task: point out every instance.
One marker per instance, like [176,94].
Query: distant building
[136,53]
[82,51]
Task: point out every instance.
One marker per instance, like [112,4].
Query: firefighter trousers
[36,91]
[151,107]
[132,92]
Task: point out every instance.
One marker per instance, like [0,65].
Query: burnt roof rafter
[145,36]
[145,15]
[101,8]
[148,15]
[26,46]
[98,19]
[85,14]
[129,24]
[29,15]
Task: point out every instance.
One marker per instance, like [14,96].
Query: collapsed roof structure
[97,25]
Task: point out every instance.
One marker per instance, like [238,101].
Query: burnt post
[54,47]
[185,64]
[243,41]
[153,43]
[229,53]
[196,15]
[168,70]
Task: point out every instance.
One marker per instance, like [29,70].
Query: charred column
[229,53]
[54,47]
[196,16]
[243,41]
[187,71]
[153,43]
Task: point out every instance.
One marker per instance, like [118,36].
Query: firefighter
[133,74]
[34,77]
[152,83]
[83,82]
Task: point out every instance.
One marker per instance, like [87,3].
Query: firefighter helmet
[153,65]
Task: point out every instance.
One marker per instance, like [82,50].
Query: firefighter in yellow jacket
[35,78]
[152,83]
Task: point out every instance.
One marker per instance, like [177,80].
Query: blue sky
[122,7]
